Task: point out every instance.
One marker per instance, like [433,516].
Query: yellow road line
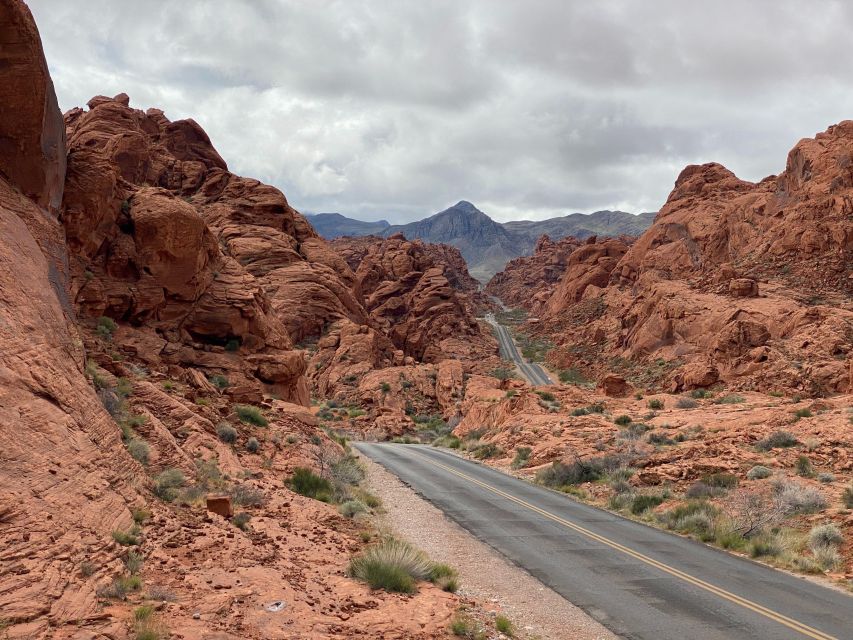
[727,595]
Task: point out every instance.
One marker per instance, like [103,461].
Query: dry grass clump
[395,565]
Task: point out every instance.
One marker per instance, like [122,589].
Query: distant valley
[487,245]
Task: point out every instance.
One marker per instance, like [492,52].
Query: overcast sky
[529,109]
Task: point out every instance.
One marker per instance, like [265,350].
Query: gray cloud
[528,109]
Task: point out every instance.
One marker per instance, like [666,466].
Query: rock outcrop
[735,283]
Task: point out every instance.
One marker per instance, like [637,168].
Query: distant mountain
[583,225]
[488,245]
[334,225]
[485,244]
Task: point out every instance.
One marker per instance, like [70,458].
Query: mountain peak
[467,207]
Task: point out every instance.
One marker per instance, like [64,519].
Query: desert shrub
[804,467]
[620,486]
[147,625]
[444,576]
[503,625]
[246,495]
[807,564]
[695,517]
[731,398]
[226,433]
[825,477]
[449,441]
[88,569]
[685,402]
[701,393]
[825,535]
[659,438]
[764,546]
[561,474]
[721,480]
[219,381]
[502,373]
[634,431]
[305,482]
[803,413]
[126,538]
[700,489]
[656,404]
[827,557]
[522,457]
[485,451]
[385,387]
[622,420]
[139,450]
[351,508]
[464,627]
[759,472]
[776,440]
[112,403]
[159,593]
[347,470]
[241,520]
[847,496]
[124,387]
[105,327]
[250,415]
[134,562]
[572,376]
[232,345]
[119,587]
[140,514]
[393,565]
[167,484]
[645,501]
[252,445]
[798,498]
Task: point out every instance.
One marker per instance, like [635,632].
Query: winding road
[640,582]
[509,351]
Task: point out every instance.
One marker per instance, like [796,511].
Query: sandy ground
[485,575]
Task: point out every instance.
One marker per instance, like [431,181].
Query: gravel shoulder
[485,575]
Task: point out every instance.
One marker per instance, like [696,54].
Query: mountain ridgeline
[487,245]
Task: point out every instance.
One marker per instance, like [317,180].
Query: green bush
[219,381]
[776,440]
[127,538]
[759,472]
[825,535]
[560,474]
[252,445]
[226,433]
[444,576]
[803,413]
[847,496]
[485,451]
[656,404]
[138,450]
[686,402]
[385,387]
[721,480]
[623,420]
[105,327]
[351,508]
[547,396]
[731,398]
[167,484]
[804,467]
[644,501]
[307,483]
[250,415]
[232,345]
[701,393]
[503,625]
[572,376]
[522,457]
[393,565]
[241,520]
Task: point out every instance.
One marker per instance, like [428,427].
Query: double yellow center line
[806,630]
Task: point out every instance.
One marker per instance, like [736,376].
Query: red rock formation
[740,283]
[64,476]
[409,296]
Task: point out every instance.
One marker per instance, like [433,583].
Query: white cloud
[528,109]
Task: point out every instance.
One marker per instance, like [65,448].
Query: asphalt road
[638,581]
[533,372]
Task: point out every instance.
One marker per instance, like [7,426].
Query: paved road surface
[638,581]
[533,372]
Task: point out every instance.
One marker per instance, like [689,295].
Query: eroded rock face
[730,282]
[65,479]
[406,288]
